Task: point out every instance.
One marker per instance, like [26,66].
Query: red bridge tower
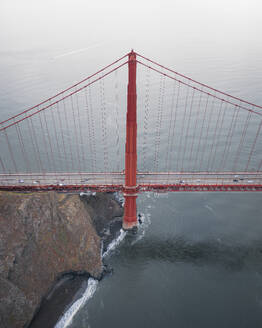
[130,188]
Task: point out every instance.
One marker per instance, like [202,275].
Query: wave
[67,318]
[115,243]
[75,307]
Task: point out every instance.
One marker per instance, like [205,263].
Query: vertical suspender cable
[10,151]
[80,131]
[220,130]
[200,137]
[242,139]
[50,145]
[229,141]
[103,121]
[2,165]
[187,131]
[174,126]
[145,121]
[195,129]
[117,123]
[22,146]
[214,134]
[168,152]
[35,145]
[68,130]
[159,124]
[253,145]
[75,135]
[207,131]
[91,151]
[56,136]
[62,136]
[45,143]
[93,129]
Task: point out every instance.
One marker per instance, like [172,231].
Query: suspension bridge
[167,132]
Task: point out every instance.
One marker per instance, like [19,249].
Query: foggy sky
[72,24]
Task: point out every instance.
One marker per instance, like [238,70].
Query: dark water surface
[195,262]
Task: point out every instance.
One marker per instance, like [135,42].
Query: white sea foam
[115,242]
[142,227]
[67,318]
[71,312]
[87,193]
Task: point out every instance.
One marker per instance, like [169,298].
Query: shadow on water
[233,257]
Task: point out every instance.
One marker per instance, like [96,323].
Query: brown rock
[42,236]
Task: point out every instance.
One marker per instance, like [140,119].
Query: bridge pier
[130,189]
[130,217]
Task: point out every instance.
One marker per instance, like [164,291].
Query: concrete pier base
[129,225]
[130,217]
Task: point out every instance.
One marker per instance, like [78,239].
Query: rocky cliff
[43,236]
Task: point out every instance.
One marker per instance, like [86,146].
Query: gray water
[196,260]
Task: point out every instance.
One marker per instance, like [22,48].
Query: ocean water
[195,262]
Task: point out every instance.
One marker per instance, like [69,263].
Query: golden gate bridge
[168,132]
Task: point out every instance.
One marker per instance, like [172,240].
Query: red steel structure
[130,189]
[181,135]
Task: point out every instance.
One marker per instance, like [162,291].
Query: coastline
[69,289]
[62,239]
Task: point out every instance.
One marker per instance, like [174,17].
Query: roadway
[173,181]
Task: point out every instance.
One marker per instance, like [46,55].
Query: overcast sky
[73,24]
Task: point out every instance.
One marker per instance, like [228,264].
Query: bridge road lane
[118,179]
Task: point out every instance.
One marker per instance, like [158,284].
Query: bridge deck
[172,181]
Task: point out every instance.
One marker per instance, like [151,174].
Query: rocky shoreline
[50,243]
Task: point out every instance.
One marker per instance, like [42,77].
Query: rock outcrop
[43,236]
